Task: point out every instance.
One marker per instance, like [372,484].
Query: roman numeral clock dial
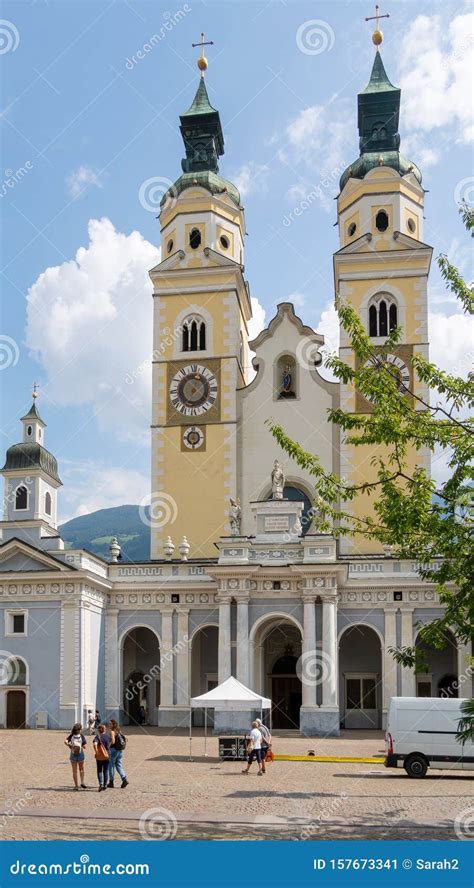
[193,390]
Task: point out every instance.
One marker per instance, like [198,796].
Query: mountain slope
[95,531]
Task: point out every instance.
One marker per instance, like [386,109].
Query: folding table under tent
[231,695]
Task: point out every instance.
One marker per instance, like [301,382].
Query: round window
[352,229]
[411,225]
[224,242]
[195,239]
[169,246]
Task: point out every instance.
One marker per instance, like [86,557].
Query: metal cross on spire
[202,62]
[35,390]
[377,36]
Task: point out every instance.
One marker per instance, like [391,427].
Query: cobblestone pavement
[207,798]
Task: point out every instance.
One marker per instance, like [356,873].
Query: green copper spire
[202,134]
[378,116]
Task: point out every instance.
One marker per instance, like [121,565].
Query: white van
[421,734]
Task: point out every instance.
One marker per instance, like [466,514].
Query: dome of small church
[205,179]
[31,456]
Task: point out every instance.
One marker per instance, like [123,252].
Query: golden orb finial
[202,62]
[377,36]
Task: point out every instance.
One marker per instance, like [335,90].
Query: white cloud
[435,75]
[79,179]
[298,299]
[89,326]
[251,178]
[328,325]
[89,486]
[320,142]
[258,318]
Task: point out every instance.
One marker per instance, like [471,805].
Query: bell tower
[382,265]
[200,334]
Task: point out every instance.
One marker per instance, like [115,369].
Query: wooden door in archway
[16,709]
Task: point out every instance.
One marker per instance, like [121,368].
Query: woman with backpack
[76,742]
[117,747]
[102,743]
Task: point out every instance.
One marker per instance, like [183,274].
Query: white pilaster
[224,667]
[182,658]
[329,651]
[389,664]
[166,658]
[243,664]
[309,671]
[408,675]
[113,697]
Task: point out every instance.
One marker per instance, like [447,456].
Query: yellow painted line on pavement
[375,760]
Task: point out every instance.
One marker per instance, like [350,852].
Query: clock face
[397,367]
[193,390]
[193,438]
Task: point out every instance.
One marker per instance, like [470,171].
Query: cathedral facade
[240,580]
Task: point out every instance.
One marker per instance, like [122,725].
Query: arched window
[194,334]
[383,315]
[47,502]
[195,239]
[21,498]
[381,221]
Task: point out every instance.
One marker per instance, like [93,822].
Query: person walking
[116,750]
[266,741]
[91,722]
[254,749]
[102,742]
[77,742]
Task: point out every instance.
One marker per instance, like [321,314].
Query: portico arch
[360,677]
[140,660]
[275,648]
[204,666]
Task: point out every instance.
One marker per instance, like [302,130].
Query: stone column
[329,663]
[309,665]
[243,664]
[408,688]
[166,658]
[182,658]
[464,670]
[389,664]
[224,639]
[113,669]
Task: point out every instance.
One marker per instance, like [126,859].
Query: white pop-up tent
[231,695]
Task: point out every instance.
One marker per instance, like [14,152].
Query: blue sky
[87,123]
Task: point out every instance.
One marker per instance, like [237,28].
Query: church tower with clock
[382,265]
[200,341]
